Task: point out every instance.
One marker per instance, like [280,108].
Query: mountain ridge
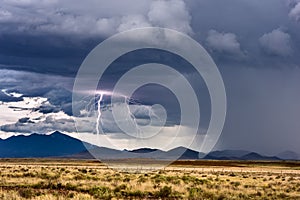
[58,144]
[38,145]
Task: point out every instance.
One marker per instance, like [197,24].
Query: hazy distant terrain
[61,145]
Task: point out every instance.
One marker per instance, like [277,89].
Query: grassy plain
[86,179]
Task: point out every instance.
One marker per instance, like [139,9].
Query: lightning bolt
[128,101]
[101,95]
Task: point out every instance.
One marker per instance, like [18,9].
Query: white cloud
[295,12]
[47,124]
[133,21]
[170,14]
[165,140]
[276,43]
[37,122]
[79,25]
[31,104]
[224,43]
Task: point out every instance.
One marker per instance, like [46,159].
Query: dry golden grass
[71,179]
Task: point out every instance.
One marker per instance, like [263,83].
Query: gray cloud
[170,14]
[133,21]
[28,82]
[25,120]
[86,19]
[276,43]
[55,88]
[54,37]
[5,98]
[295,12]
[226,43]
[48,125]
[263,110]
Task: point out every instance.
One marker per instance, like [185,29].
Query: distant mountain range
[37,145]
[61,145]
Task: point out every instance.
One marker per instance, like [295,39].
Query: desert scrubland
[88,179]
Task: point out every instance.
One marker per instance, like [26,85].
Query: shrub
[47,176]
[101,192]
[282,196]
[158,179]
[195,193]
[232,174]
[235,184]
[71,195]
[142,180]
[29,174]
[120,188]
[26,193]
[137,194]
[70,186]
[164,192]
[80,177]
[127,179]
[221,197]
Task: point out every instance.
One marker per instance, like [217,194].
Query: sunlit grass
[90,180]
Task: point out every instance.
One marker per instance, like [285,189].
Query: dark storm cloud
[55,36]
[60,99]
[41,54]
[56,89]
[25,120]
[6,98]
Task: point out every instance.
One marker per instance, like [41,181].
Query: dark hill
[37,145]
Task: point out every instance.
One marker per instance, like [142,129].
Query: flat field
[87,179]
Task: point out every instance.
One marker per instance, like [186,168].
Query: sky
[255,44]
